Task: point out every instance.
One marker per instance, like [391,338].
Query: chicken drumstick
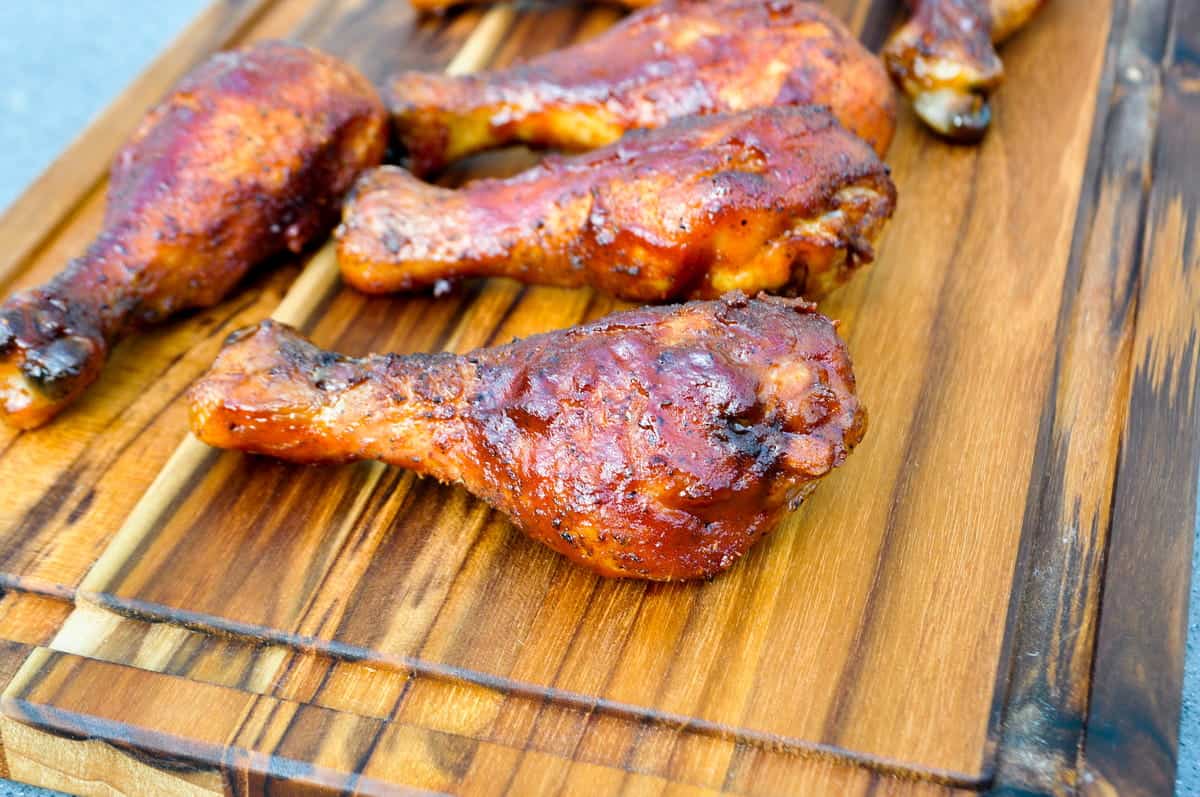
[659,443]
[249,156]
[944,60]
[677,58]
[775,199]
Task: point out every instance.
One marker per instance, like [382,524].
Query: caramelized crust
[944,60]
[659,443]
[674,59]
[250,155]
[777,199]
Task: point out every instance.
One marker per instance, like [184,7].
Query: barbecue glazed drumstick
[775,199]
[249,156]
[677,58]
[944,60]
[659,443]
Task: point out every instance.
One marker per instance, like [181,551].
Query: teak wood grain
[180,620]
[1071,487]
[1139,651]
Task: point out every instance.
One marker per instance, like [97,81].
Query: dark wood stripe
[1060,568]
[1133,721]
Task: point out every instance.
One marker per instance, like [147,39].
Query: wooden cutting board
[991,593]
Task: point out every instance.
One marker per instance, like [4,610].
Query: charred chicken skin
[677,58]
[249,156]
[776,199]
[659,443]
[944,60]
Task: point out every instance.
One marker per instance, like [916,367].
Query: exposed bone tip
[962,117]
[22,404]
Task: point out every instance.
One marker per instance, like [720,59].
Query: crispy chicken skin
[250,155]
[944,60]
[677,58]
[775,199]
[659,443]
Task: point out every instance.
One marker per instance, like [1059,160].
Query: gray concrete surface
[1188,776]
[63,62]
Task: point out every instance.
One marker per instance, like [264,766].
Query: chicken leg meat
[249,156]
[944,60]
[674,59]
[659,443]
[774,199]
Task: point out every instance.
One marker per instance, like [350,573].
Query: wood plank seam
[72,722]
[28,678]
[451,674]
[175,755]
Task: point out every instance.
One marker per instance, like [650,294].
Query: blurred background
[64,62]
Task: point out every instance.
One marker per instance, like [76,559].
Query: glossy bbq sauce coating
[783,200]
[249,155]
[659,443]
[674,59]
